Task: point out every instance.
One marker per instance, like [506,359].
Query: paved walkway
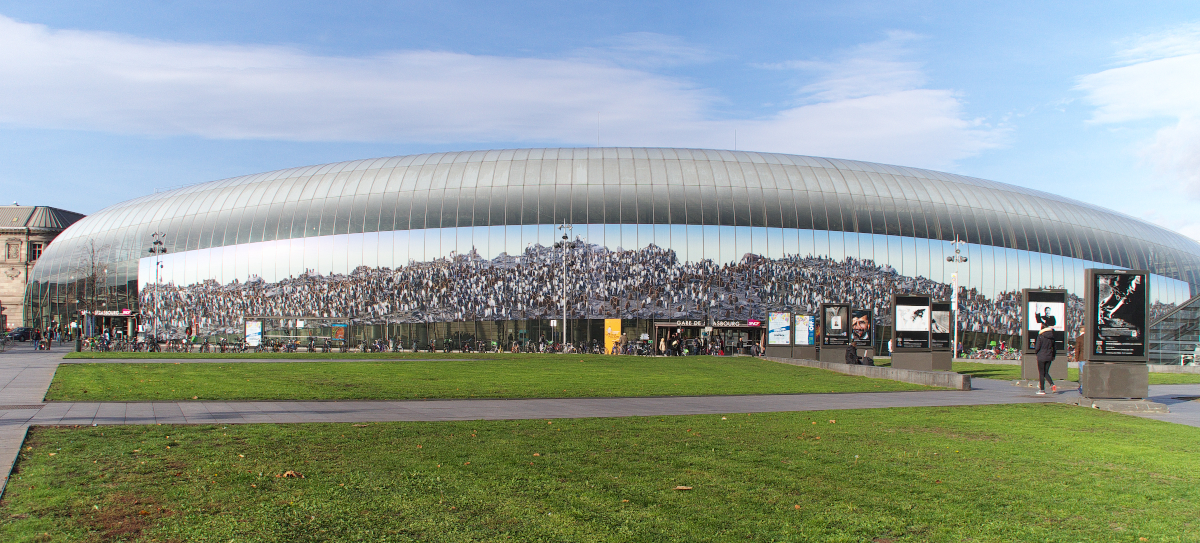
[26,374]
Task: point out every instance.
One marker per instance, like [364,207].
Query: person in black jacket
[852,354]
[1044,346]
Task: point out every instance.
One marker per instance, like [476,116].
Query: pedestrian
[1044,346]
[1081,355]
[852,354]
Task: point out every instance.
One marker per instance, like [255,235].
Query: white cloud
[1157,82]
[869,104]
[646,50]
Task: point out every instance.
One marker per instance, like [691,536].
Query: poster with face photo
[911,317]
[862,329]
[1118,315]
[940,326]
[1045,309]
[835,324]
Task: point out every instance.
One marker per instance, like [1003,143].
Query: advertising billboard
[338,331]
[806,330]
[1045,308]
[254,332]
[862,327]
[612,334]
[835,324]
[941,326]
[779,329]
[1116,308]
[911,317]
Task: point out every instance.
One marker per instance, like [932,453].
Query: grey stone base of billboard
[807,352]
[1114,380]
[945,379]
[833,354]
[943,359]
[1029,369]
[782,351]
[921,362]
[1124,406]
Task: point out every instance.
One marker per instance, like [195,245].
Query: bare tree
[89,278]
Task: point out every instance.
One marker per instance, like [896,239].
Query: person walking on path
[1044,346]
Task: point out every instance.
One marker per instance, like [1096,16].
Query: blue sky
[1100,101]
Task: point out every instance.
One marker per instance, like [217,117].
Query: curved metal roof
[632,185]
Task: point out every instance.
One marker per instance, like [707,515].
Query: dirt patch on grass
[123,517]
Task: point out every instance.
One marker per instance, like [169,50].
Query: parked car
[21,334]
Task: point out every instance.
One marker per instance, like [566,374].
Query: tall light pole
[956,259]
[157,248]
[565,228]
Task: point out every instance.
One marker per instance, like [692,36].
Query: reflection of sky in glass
[988,269]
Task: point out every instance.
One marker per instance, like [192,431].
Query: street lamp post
[956,259]
[565,228]
[157,248]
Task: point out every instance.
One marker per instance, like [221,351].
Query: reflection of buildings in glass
[670,233]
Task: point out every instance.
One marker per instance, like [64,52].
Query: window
[35,250]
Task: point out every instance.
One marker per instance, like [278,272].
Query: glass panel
[418,214]
[595,200]
[725,206]
[741,205]
[660,205]
[708,206]
[433,214]
[546,204]
[645,202]
[727,248]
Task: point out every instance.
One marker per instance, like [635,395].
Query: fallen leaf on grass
[537,454]
[360,425]
[681,487]
[290,473]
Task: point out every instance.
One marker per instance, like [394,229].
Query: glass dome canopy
[621,186]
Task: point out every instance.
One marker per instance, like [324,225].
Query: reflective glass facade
[657,233]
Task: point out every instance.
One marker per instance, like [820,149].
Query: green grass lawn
[514,376]
[985,474]
[277,356]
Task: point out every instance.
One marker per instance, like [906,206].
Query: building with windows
[25,232]
[446,246]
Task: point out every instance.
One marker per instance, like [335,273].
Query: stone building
[25,231]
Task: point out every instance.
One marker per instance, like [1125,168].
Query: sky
[101,102]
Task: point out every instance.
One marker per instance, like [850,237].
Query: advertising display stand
[910,342]
[941,336]
[1116,315]
[833,322]
[804,337]
[779,334]
[1043,308]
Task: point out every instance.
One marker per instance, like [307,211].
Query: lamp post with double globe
[956,259]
